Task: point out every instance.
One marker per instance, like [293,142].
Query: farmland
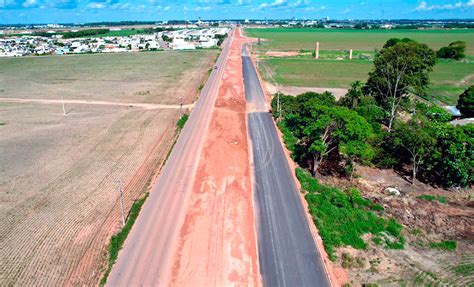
[449,78]
[359,40]
[334,70]
[59,175]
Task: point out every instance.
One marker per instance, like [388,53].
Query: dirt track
[218,242]
[101,103]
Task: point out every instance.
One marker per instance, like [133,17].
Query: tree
[454,51]
[417,138]
[451,162]
[323,129]
[399,70]
[393,41]
[466,103]
[353,96]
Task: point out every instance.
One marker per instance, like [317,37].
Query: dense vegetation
[466,103]
[454,51]
[84,33]
[381,123]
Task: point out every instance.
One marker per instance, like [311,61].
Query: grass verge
[430,197]
[117,240]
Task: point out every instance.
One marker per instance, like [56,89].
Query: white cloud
[423,6]
[30,3]
[284,4]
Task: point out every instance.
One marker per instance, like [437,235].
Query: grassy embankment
[344,216]
[449,78]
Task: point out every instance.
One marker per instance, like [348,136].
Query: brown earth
[294,91]
[59,174]
[424,222]
[282,54]
[217,244]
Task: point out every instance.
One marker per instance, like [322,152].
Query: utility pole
[317,51]
[181,105]
[120,190]
[278,107]
[62,103]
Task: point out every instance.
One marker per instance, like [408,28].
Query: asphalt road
[288,255]
[145,259]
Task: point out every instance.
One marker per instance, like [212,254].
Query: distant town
[113,40]
[133,36]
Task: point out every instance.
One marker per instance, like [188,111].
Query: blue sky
[79,11]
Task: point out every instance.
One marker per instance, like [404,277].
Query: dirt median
[217,244]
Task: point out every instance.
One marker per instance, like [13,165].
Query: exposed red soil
[217,243]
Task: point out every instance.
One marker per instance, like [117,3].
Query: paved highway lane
[146,257]
[288,255]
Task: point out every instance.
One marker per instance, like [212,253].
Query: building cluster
[184,39]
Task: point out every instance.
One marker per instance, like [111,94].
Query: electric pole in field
[62,103]
[120,190]
[181,105]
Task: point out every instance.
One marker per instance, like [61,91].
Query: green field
[449,78]
[363,40]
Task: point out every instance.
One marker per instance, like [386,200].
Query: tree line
[383,123]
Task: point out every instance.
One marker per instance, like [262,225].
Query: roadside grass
[343,217]
[117,240]
[2,123]
[430,197]
[295,39]
[288,138]
[182,121]
[448,245]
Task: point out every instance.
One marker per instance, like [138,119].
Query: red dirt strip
[217,242]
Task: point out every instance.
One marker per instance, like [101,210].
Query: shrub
[182,121]
[430,197]
[447,245]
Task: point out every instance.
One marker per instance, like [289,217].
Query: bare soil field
[59,175]
[148,77]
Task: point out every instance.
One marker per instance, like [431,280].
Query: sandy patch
[282,54]
[294,91]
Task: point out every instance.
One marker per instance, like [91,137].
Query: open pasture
[285,39]
[448,79]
